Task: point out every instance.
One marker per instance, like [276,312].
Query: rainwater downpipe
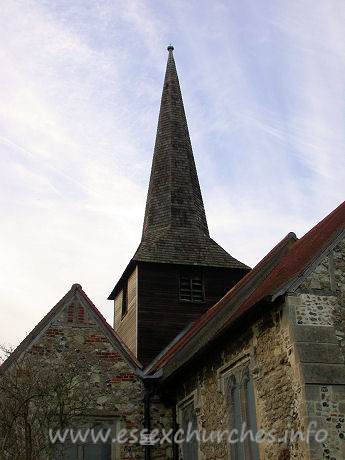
[175,428]
[151,383]
[147,418]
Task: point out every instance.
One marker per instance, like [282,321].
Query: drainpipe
[151,383]
[147,418]
[175,428]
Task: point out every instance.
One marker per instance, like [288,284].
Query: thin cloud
[264,95]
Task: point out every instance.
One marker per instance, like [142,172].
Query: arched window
[239,392]
[188,422]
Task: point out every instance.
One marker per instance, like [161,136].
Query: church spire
[178,272]
[175,228]
[174,197]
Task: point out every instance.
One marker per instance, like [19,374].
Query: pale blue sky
[264,93]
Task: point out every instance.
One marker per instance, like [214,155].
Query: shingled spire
[174,197]
[175,226]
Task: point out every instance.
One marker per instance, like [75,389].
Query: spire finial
[170,48]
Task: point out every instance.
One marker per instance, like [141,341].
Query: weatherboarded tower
[178,272]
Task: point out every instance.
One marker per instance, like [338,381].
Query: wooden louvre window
[191,288]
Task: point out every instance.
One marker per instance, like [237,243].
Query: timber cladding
[126,324]
[162,315]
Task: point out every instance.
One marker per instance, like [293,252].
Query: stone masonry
[296,357]
[117,392]
[267,346]
[317,319]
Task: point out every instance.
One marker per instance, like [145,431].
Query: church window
[188,422]
[239,393]
[89,450]
[191,288]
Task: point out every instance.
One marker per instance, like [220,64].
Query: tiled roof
[273,276]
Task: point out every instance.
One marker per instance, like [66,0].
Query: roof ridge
[339,210]
[274,255]
[293,255]
[317,239]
